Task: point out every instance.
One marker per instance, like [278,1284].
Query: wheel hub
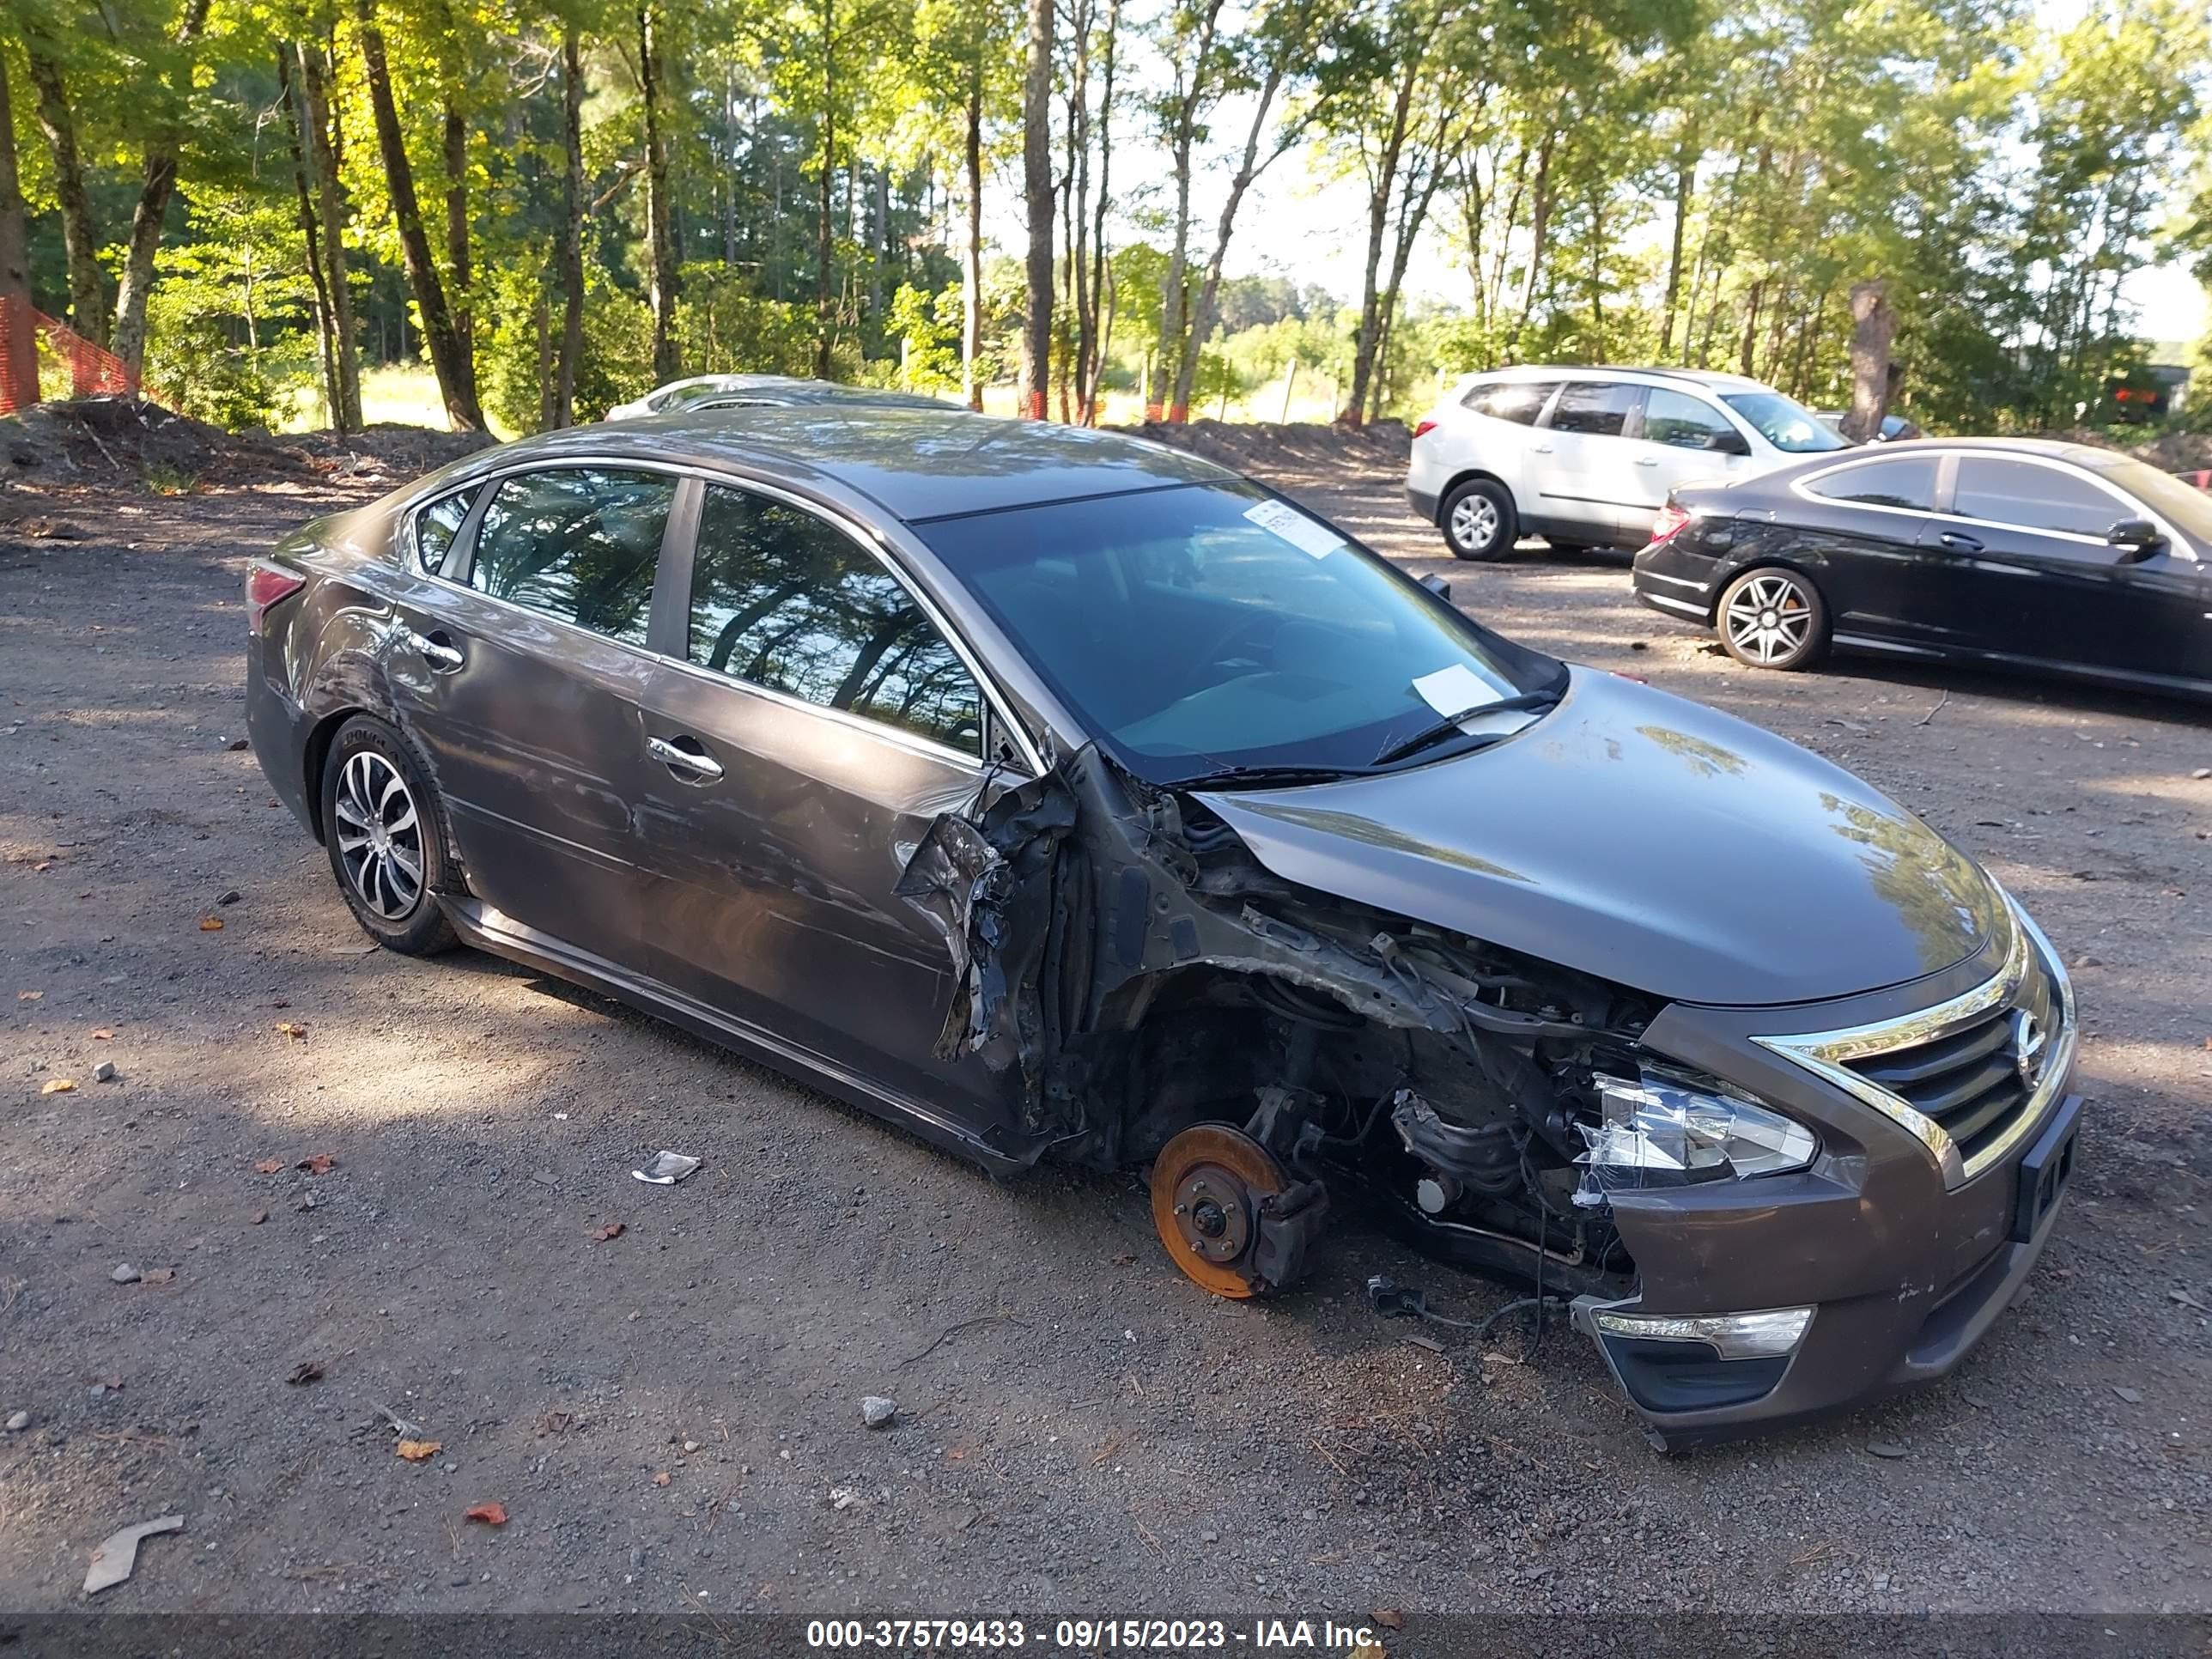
[1214,1214]
[1209,1187]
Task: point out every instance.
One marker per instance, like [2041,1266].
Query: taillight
[265,584]
[1667,525]
[1425,426]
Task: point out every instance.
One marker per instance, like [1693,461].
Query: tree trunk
[1178,350]
[1873,326]
[80,240]
[1036,181]
[971,262]
[19,347]
[572,227]
[1539,225]
[1686,184]
[825,245]
[157,184]
[456,373]
[1381,182]
[666,366]
[326,340]
[1209,294]
[458,266]
[1100,277]
[323,162]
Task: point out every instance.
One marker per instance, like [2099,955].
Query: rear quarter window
[437,525]
[1518,401]
[1907,482]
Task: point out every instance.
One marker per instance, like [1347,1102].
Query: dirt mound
[97,440]
[1260,444]
[400,452]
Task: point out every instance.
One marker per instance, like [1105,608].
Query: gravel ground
[670,1418]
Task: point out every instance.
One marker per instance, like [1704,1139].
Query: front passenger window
[783,600]
[580,543]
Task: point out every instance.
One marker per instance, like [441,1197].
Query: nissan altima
[1061,796]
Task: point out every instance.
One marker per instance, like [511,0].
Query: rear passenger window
[1519,401]
[2033,496]
[1598,408]
[579,544]
[1908,482]
[436,525]
[783,600]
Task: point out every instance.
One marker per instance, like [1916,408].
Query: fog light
[1768,1334]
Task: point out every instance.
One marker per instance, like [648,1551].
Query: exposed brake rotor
[1229,1215]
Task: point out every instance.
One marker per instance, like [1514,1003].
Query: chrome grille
[1969,1077]
[1977,1080]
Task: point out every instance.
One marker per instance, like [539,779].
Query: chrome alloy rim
[1769,619]
[379,835]
[1475,522]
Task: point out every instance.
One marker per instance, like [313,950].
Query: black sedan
[1058,795]
[2013,553]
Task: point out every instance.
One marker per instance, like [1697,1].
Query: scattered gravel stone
[1885,1449]
[124,1273]
[2133,1396]
[104,1073]
[876,1411]
[19,1422]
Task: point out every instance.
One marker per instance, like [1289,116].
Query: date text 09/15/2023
[1095,1635]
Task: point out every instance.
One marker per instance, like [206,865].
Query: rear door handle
[693,760]
[437,650]
[1647,460]
[1540,449]
[1959,541]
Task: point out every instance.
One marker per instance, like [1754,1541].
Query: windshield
[1210,625]
[2188,510]
[1784,423]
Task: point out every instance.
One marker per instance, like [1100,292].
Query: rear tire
[1774,617]
[385,829]
[1479,521]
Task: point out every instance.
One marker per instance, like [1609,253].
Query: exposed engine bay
[1274,1054]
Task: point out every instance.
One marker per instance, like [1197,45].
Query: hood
[1648,840]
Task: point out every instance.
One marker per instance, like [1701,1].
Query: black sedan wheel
[1774,619]
[386,834]
[1479,520]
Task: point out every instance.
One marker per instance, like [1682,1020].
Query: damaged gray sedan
[1064,796]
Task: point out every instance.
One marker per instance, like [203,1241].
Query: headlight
[1668,1129]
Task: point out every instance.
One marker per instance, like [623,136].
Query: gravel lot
[670,1418]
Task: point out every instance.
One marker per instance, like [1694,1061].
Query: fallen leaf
[210,924]
[492,1514]
[612,1230]
[1390,1619]
[269,1166]
[102,1035]
[308,1370]
[554,1422]
[319,1163]
[159,1276]
[419,1451]
[292,1028]
[58,1085]
[1126,1259]
[663,1478]
[35,996]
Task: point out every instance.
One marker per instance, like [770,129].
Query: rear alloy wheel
[1479,520]
[1773,619]
[385,835]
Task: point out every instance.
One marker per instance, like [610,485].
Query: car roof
[1710,379]
[2053,449]
[917,464]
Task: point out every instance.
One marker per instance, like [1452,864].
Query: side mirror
[1438,586]
[1730,442]
[2137,539]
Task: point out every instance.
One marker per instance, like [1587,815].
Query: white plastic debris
[667,1168]
[112,1561]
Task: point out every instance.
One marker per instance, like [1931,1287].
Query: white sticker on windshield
[1307,535]
[1454,690]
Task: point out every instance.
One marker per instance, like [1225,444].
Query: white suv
[1585,457]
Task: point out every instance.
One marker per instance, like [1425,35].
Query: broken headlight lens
[1669,1129]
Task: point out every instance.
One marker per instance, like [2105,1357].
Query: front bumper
[1905,1273]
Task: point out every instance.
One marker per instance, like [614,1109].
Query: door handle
[1540,449]
[1647,460]
[1959,541]
[438,652]
[695,761]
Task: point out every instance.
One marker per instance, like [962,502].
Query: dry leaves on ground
[308,1370]
[419,1451]
[1390,1619]
[103,1035]
[292,1028]
[59,1086]
[210,924]
[36,996]
[492,1514]
[269,1166]
[319,1163]
[663,1478]
[159,1276]
[612,1230]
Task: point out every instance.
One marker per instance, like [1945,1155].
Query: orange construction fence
[60,362]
